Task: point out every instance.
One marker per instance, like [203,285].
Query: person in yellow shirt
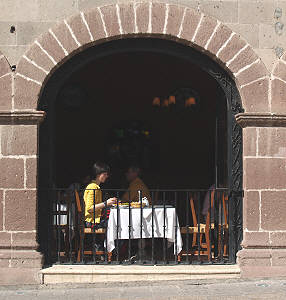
[93,195]
[135,184]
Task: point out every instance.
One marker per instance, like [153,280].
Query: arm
[98,204]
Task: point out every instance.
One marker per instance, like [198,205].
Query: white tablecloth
[171,220]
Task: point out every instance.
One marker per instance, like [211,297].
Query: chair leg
[207,236]
[194,239]
[179,257]
[109,254]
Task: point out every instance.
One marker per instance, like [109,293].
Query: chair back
[79,208]
[225,205]
[193,210]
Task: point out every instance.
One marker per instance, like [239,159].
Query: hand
[111,201]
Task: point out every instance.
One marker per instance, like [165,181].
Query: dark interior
[117,91]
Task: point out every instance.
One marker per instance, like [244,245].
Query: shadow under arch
[228,91]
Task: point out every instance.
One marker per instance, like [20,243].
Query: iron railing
[178,227]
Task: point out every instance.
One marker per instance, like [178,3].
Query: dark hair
[99,168]
[135,168]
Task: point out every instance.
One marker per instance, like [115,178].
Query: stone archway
[168,21]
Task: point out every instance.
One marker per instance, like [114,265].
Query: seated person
[135,184]
[93,195]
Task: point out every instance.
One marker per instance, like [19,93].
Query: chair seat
[90,230]
[195,229]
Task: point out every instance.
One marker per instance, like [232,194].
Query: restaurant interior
[137,112]
[152,109]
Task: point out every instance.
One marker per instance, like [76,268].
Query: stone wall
[260,22]
[262,93]
[18,194]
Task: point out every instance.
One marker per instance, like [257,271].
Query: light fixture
[179,100]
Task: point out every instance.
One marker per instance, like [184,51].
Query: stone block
[249,32]
[19,10]
[278,96]
[31,173]
[26,93]
[95,24]
[5,241]
[110,20]
[158,17]
[54,10]
[249,141]
[31,71]
[88,4]
[175,18]
[252,73]
[5,257]
[254,257]
[273,210]
[267,36]
[244,59]
[225,11]
[264,173]
[12,173]
[205,31]
[19,139]
[127,17]
[1,209]
[4,66]
[272,142]
[278,239]
[20,275]
[232,48]
[36,54]
[255,239]
[142,16]
[13,53]
[28,32]
[191,21]
[79,29]
[63,34]
[278,257]
[49,43]
[255,96]
[6,37]
[268,57]
[220,37]
[6,92]
[24,240]
[280,70]
[251,211]
[256,11]
[21,210]
[26,259]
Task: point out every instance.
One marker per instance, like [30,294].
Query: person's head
[100,172]
[85,180]
[133,172]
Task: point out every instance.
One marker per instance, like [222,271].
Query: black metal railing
[175,227]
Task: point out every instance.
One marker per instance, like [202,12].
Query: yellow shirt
[92,195]
[135,186]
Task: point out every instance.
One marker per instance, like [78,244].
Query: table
[171,221]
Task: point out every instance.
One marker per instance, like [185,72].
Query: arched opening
[103,105]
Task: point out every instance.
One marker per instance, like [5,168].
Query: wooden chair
[201,230]
[83,231]
[225,225]
[60,227]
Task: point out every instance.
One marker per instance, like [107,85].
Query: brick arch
[163,20]
[278,86]
[6,103]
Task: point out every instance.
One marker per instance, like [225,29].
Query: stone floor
[188,289]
